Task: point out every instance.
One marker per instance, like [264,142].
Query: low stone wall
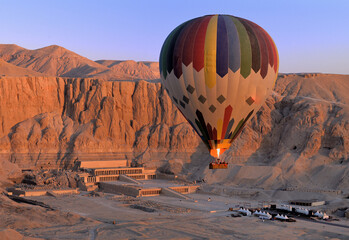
[150,192]
[119,189]
[42,192]
[185,189]
[327,191]
[103,164]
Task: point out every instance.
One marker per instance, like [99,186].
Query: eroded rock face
[300,136]
[22,98]
[302,130]
[304,116]
[89,116]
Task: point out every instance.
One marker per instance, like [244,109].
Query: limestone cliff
[52,119]
[300,135]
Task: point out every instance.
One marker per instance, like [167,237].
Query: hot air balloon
[218,71]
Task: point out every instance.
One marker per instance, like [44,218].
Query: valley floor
[204,216]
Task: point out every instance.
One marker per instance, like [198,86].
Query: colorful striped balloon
[218,70]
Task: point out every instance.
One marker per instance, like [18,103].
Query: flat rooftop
[159,183]
[312,202]
[307,201]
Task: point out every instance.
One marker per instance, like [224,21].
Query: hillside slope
[58,61]
[129,70]
[51,61]
[8,69]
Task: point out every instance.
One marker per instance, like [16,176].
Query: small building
[310,203]
[107,174]
[146,190]
[110,170]
[113,174]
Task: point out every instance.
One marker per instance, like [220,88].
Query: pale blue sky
[311,35]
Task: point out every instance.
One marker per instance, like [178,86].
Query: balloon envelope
[218,70]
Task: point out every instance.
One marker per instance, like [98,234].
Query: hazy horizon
[311,36]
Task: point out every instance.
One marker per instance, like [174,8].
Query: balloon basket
[215,165]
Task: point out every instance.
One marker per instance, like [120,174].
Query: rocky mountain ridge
[58,61]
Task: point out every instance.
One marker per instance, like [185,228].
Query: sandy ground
[86,217]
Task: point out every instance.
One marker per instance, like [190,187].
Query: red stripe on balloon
[268,45]
[263,48]
[274,51]
[188,48]
[178,50]
[276,62]
[227,115]
[214,133]
[199,45]
[209,130]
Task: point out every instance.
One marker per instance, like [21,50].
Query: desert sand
[57,106]
[91,217]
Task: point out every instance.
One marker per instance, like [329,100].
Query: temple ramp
[128,179]
[172,193]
